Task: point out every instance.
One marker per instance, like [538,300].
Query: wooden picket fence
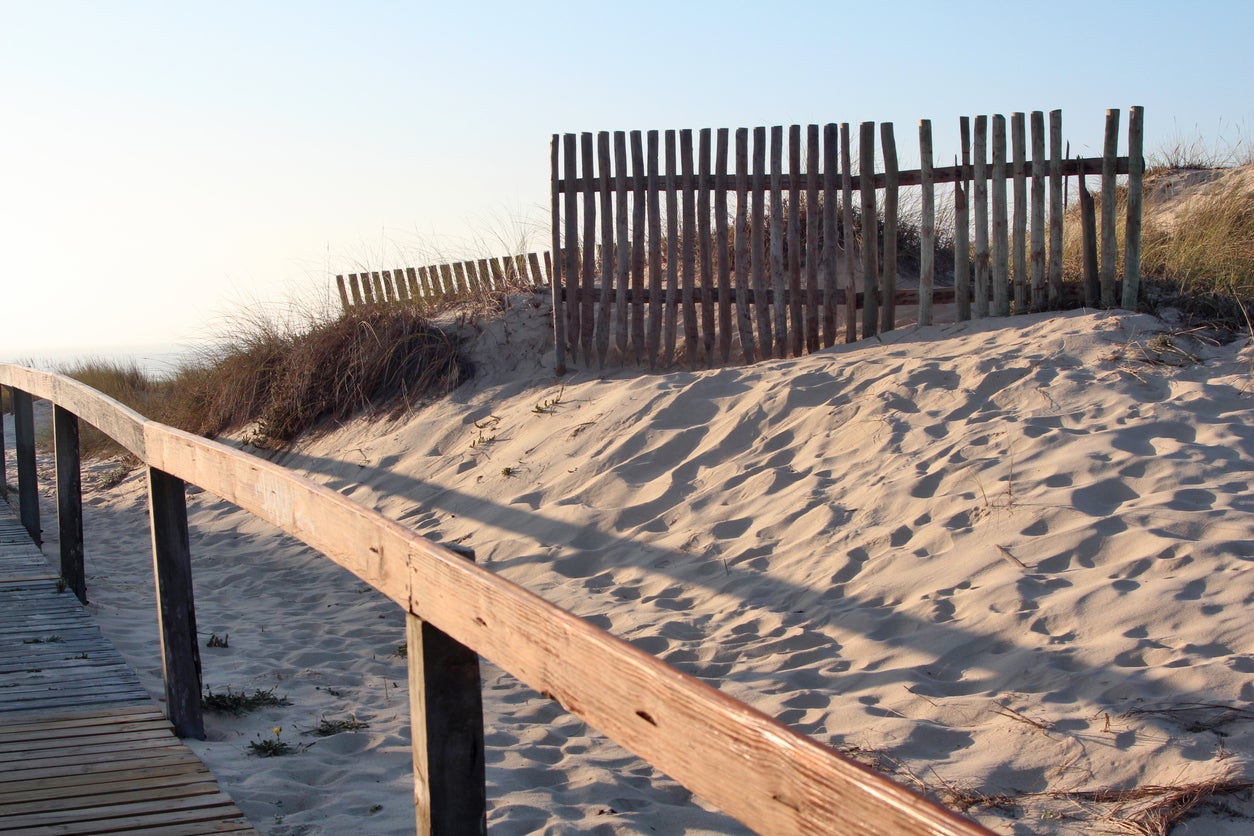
[435,282]
[785,268]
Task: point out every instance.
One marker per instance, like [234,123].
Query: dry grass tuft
[125,382]
[1154,810]
[285,382]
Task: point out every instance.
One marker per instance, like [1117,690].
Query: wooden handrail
[769,776]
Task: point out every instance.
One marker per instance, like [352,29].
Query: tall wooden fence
[770,260]
[769,776]
[452,280]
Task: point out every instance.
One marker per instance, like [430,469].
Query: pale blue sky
[165,164]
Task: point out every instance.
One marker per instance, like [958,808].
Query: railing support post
[69,500]
[27,485]
[176,610]
[446,720]
[4,467]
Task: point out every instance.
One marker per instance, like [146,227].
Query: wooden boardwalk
[83,748]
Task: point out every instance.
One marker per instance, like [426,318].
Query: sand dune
[1008,558]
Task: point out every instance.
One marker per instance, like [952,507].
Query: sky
[168,167]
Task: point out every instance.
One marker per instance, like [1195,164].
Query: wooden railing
[769,776]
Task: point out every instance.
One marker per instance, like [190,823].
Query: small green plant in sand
[327,727]
[401,651]
[549,406]
[270,747]
[218,641]
[484,427]
[44,640]
[508,471]
[114,476]
[62,584]
[241,702]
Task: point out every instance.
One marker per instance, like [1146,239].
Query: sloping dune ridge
[1008,562]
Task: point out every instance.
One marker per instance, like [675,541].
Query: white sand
[965,555]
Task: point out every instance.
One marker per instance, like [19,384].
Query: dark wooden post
[1088,228]
[4,468]
[446,720]
[176,609]
[1132,233]
[27,485]
[69,500]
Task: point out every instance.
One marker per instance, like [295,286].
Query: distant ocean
[156,360]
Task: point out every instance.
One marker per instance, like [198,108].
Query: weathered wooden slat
[638,224]
[847,233]
[653,335]
[345,305]
[604,316]
[570,244]
[411,278]
[870,231]
[622,244]
[705,181]
[1037,246]
[813,214]
[1001,243]
[1132,229]
[982,264]
[1056,212]
[891,179]
[587,317]
[796,320]
[1110,150]
[1088,246]
[688,241]
[927,225]
[828,259]
[962,225]
[671,314]
[779,214]
[741,263]
[1019,218]
[757,240]
[721,246]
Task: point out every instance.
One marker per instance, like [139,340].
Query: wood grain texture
[705,254]
[757,242]
[1056,209]
[813,217]
[870,231]
[622,244]
[654,332]
[722,248]
[796,322]
[1001,230]
[962,225]
[1037,247]
[779,212]
[1110,150]
[24,452]
[638,224]
[741,263]
[587,314]
[829,257]
[688,239]
[69,499]
[176,605]
[570,246]
[927,226]
[1132,233]
[847,234]
[980,154]
[889,284]
[670,315]
[345,305]
[1019,218]
[606,191]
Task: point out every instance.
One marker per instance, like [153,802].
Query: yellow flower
[277,730]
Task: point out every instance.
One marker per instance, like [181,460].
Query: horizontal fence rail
[760,242]
[767,775]
[435,282]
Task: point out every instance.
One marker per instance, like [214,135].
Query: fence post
[446,721]
[176,609]
[888,315]
[870,229]
[1110,150]
[927,229]
[1132,233]
[24,447]
[69,499]
[4,468]
[1056,209]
